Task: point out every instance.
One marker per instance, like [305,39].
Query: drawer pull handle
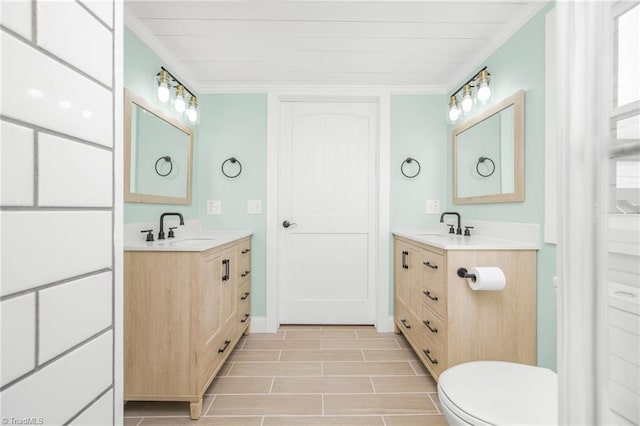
[427,352]
[405,255]
[428,324]
[245,251]
[245,296]
[246,317]
[428,294]
[430,265]
[224,348]
[405,323]
[245,273]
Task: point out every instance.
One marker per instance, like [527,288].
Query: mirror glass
[157,155]
[488,155]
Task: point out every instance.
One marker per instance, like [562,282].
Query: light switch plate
[254,206]
[214,207]
[432,207]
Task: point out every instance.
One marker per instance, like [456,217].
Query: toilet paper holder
[463,273]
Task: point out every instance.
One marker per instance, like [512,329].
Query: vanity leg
[395,328]
[195,409]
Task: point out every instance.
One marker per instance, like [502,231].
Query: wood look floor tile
[266,405]
[324,420]
[322,355]
[378,404]
[321,334]
[248,356]
[266,336]
[367,369]
[373,334]
[132,421]
[276,369]
[281,344]
[436,400]
[359,344]
[402,342]
[348,327]
[426,420]
[390,355]
[322,385]
[419,368]
[224,370]
[236,385]
[206,421]
[400,384]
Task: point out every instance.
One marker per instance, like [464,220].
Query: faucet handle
[171,234]
[452,228]
[149,234]
[467,233]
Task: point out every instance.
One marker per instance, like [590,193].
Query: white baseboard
[385,325]
[258,325]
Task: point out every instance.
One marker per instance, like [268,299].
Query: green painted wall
[141,65]
[418,130]
[519,64]
[236,126]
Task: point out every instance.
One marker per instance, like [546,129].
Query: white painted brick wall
[60,213]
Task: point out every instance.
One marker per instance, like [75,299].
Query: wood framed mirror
[157,155]
[488,155]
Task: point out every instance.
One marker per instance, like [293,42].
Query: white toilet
[498,393]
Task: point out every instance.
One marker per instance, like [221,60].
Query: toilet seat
[500,393]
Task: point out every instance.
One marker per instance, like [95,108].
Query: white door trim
[383,321]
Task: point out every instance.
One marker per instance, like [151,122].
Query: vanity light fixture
[480,81]
[165,81]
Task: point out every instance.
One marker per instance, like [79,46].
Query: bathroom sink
[191,242]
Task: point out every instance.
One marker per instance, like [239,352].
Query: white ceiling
[256,44]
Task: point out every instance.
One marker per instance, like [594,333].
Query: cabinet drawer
[433,327]
[430,356]
[244,261]
[434,297]
[244,304]
[432,266]
[404,320]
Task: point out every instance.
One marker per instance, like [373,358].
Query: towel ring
[168,160]
[410,160]
[232,160]
[482,160]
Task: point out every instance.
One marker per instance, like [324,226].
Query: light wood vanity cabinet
[448,323]
[184,313]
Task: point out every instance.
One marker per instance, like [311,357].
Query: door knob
[287,224]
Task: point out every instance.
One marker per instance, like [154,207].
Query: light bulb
[163,90]
[467,99]
[179,104]
[192,111]
[484,91]
[454,110]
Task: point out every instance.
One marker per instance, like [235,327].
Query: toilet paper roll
[487,278]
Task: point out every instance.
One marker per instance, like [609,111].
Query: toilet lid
[501,393]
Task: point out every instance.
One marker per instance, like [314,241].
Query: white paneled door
[327,186]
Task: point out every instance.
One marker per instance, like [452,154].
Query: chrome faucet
[459,229]
[161,233]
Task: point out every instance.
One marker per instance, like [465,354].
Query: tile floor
[311,375]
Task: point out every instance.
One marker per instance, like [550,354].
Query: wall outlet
[214,207]
[432,207]
[254,206]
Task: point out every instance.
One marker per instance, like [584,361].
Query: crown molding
[495,42]
[169,59]
[264,88]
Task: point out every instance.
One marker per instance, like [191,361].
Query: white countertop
[197,242]
[459,242]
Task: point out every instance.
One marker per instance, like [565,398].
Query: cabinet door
[401,286]
[211,311]
[229,287]
[407,277]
